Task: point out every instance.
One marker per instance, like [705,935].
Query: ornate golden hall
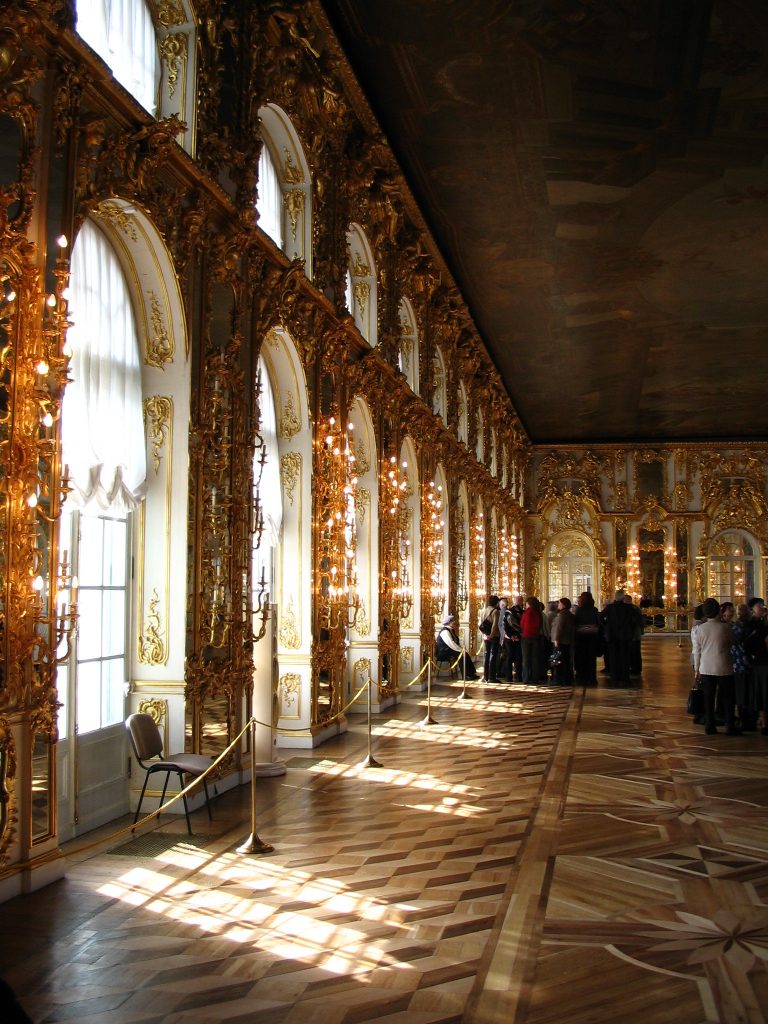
[322,321]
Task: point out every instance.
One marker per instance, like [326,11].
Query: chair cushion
[191,764]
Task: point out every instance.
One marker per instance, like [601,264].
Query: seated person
[448,647]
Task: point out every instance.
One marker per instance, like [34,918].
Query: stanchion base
[427,720]
[254,845]
[370,762]
[464,695]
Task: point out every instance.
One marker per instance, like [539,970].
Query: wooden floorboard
[540,855]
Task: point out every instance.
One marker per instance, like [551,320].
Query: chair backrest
[145,736]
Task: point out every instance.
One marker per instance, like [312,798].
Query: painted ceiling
[595,175]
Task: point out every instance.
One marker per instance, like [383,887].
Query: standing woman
[563,632]
[587,639]
[530,640]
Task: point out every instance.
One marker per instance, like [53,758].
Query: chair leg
[186,808]
[141,798]
[207,800]
[162,796]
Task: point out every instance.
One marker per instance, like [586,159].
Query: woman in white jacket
[713,666]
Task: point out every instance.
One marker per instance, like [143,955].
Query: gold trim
[152,647]
[290,692]
[158,409]
[173,51]
[290,473]
[290,425]
[160,347]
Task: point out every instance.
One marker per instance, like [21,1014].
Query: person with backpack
[489,627]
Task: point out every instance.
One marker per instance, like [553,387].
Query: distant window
[123,34]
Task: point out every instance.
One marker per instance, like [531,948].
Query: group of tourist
[525,640]
[730,665]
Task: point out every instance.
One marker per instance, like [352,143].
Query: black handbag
[695,704]
[556,658]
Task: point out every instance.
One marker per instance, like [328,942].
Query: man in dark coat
[618,629]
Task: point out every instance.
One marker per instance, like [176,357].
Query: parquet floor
[539,855]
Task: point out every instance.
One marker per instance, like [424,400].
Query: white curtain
[123,35]
[102,416]
[270,493]
[270,204]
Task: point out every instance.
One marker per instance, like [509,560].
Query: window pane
[113,684]
[89,627]
[91,542]
[88,696]
[113,623]
[114,552]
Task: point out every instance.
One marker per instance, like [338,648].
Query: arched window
[285,187]
[123,34]
[361,285]
[408,356]
[732,567]
[103,445]
[570,567]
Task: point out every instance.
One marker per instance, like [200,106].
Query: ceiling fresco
[596,177]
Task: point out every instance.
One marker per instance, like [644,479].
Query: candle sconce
[38,604]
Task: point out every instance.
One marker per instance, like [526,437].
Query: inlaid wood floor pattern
[541,854]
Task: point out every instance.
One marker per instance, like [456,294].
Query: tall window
[123,34]
[270,204]
[104,449]
[732,575]
[569,567]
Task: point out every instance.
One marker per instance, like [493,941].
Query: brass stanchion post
[463,695]
[370,761]
[253,844]
[428,719]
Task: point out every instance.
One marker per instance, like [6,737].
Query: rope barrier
[252,721]
[169,803]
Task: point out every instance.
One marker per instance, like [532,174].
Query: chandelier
[397,593]
[336,589]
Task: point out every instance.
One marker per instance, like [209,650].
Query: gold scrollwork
[290,424]
[290,695]
[358,268]
[406,659]
[170,12]
[362,503]
[8,815]
[160,347]
[363,625]
[292,173]
[362,672]
[290,471]
[117,216]
[362,461]
[158,410]
[173,50]
[362,292]
[156,708]
[288,633]
[152,648]
[294,206]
